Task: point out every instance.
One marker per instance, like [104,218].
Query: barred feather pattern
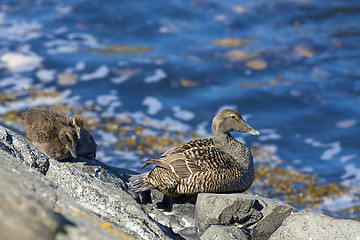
[219,164]
[213,171]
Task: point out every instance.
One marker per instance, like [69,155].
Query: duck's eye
[232,116]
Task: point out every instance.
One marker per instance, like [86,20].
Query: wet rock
[262,216]
[309,225]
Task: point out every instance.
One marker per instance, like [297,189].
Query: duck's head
[78,122]
[69,138]
[229,120]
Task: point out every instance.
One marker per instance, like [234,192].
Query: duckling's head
[78,122]
[229,120]
[69,138]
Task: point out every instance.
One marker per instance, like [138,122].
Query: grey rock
[274,213]
[20,148]
[33,207]
[261,215]
[100,188]
[310,225]
[219,232]
[85,199]
[176,214]
[86,189]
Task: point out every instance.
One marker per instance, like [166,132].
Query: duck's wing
[193,160]
[172,153]
[205,142]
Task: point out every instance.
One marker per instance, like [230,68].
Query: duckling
[51,133]
[86,146]
[77,122]
[218,164]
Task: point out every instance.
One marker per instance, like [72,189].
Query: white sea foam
[29,102]
[107,139]
[85,39]
[154,104]
[118,80]
[110,110]
[20,31]
[20,62]
[45,75]
[2,17]
[63,9]
[109,103]
[201,129]
[268,134]
[61,30]
[144,120]
[352,174]
[182,114]
[334,148]
[100,72]
[342,202]
[158,75]
[15,83]
[79,66]
[61,46]
[105,100]
[348,158]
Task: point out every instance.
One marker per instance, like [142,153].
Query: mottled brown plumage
[218,164]
[86,146]
[50,132]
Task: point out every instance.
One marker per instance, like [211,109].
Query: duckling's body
[50,132]
[218,164]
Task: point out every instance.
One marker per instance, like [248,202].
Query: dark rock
[176,214]
[274,213]
[310,225]
[261,215]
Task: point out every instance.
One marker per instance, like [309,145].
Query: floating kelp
[121,49]
[271,180]
[8,97]
[256,64]
[234,42]
[294,187]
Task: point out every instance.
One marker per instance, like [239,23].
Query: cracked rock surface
[86,199]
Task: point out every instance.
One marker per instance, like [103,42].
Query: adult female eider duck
[218,164]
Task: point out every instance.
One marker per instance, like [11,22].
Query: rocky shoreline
[86,199]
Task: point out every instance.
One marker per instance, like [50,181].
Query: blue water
[305,100]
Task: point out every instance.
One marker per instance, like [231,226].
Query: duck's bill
[252,131]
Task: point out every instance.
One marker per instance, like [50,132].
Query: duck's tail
[138,183]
